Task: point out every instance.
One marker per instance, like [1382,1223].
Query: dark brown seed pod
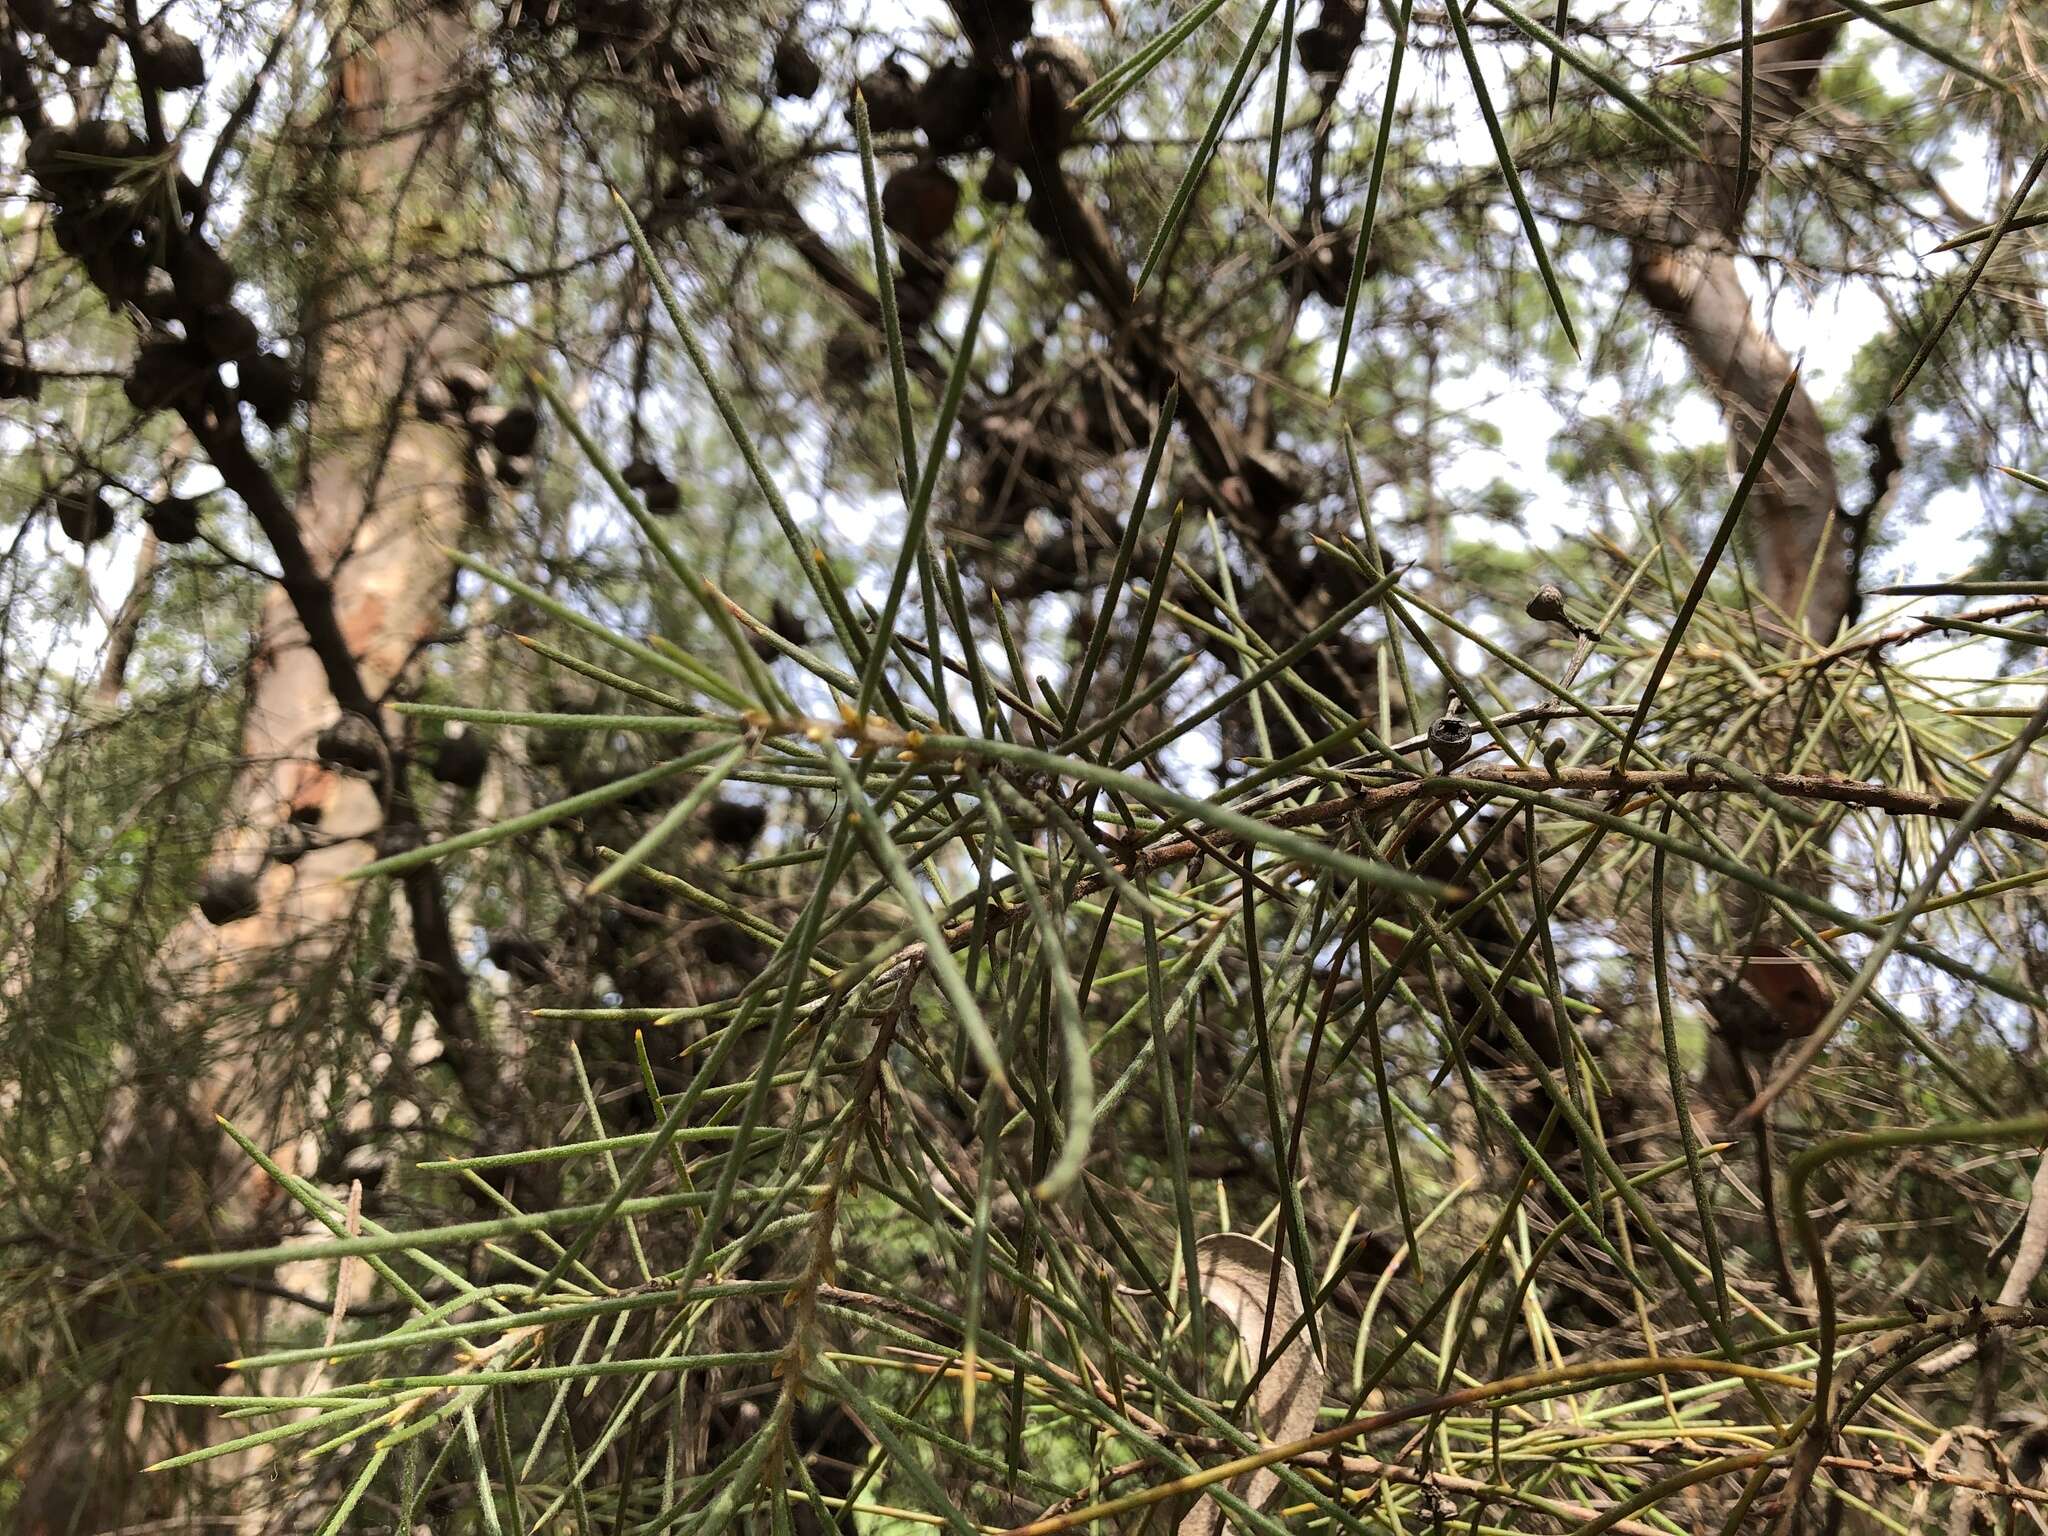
[1793,986]
[350,743]
[76,35]
[173,519]
[851,353]
[519,957]
[663,497]
[18,380]
[289,843]
[461,760]
[1327,47]
[71,161]
[1061,61]
[1322,51]
[467,385]
[953,106]
[1547,605]
[83,511]
[73,230]
[167,61]
[919,203]
[516,430]
[227,334]
[797,75]
[1326,258]
[120,217]
[112,237]
[120,271]
[166,373]
[788,625]
[1038,117]
[891,97]
[641,473]
[919,287]
[107,138]
[734,823]
[1450,739]
[271,387]
[1774,997]
[227,896]
[999,188]
[202,275]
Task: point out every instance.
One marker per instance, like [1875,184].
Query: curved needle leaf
[1880,18]
[1507,169]
[1606,79]
[1116,83]
[1198,163]
[1977,266]
[1376,178]
[1066,1167]
[1777,34]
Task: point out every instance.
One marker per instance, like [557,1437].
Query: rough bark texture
[364,585]
[1683,263]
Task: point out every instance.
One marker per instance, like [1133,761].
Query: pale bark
[365,583]
[1684,264]
[383,493]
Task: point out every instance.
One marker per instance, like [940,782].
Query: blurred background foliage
[888,1221]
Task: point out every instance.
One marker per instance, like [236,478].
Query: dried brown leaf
[1237,1277]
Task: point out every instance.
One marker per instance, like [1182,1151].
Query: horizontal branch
[1700,780]
[1596,782]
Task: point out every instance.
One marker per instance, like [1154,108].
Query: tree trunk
[360,545]
[1684,265]
[383,492]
